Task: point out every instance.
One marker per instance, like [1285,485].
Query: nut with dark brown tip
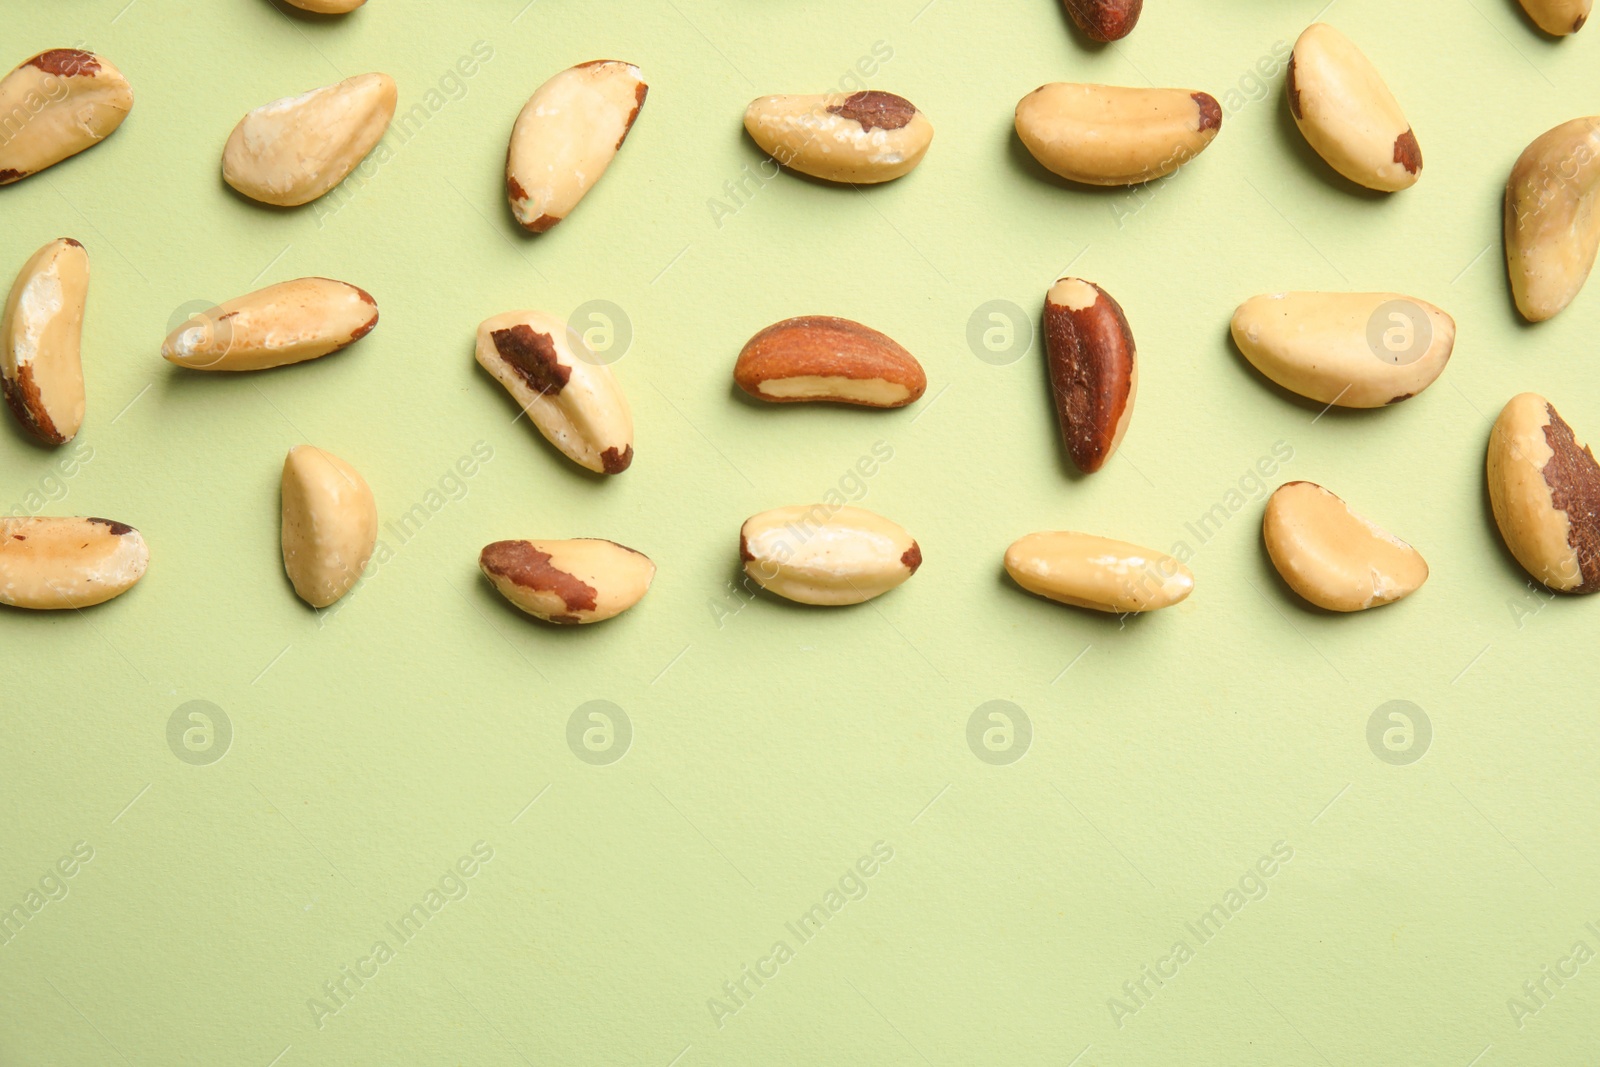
[862,138]
[1115,135]
[1559,17]
[568,582]
[1105,20]
[1094,371]
[818,357]
[1347,113]
[41,372]
[1544,489]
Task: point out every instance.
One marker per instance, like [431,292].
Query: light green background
[774,745]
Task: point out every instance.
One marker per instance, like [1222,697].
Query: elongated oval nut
[862,138]
[1111,135]
[330,524]
[50,563]
[1333,557]
[1559,17]
[286,323]
[1094,369]
[291,151]
[54,106]
[1544,489]
[826,554]
[818,357]
[1552,218]
[567,135]
[1105,20]
[1347,113]
[1356,350]
[1099,573]
[41,371]
[328,7]
[568,582]
[568,394]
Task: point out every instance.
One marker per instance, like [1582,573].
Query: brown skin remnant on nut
[9,176]
[74,243]
[876,108]
[912,557]
[616,462]
[1574,480]
[66,63]
[1402,396]
[1091,359]
[744,549]
[521,564]
[1210,111]
[533,356]
[1407,152]
[1105,20]
[28,405]
[564,620]
[542,223]
[638,102]
[1294,91]
[1578,23]
[118,529]
[515,188]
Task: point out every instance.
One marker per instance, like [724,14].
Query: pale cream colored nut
[1105,20]
[1559,17]
[826,554]
[1552,218]
[328,7]
[567,392]
[1086,571]
[1111,135]
[290,322]
[1544,489]
[330,524]
[1356,350]
[567,135]
[568,582]
[861,138]
[41,371]
[49,563]
[291,151]
[818,357]
[1094,370]
[1347,113]
[54,106]
[1333,557]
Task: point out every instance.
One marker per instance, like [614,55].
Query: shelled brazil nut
[571,582]
[1099,573]
[53,563]
[1333,557]
[330,524]
[1559,17]
[1347,113]
[294,150]
[1112,135]
[1094,369]
[1552,220]
[861,138]
[819,357]
[55,105]
[286,323]
[827,555]
[1544,489]
[41,367]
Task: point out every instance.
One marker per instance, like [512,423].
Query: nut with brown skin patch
[286,323]
[1347,113]
[1105,20]
[818,357]
[826,554]
[1558,17]
[1552,218]
[1112,135]
[330,524]
[41,371]
[1333,557]
[53,563]
[571,396]
[570,582]
[1544,489]
[567,135]
[292,151]
[1094,371]
[55,105]
[861,138]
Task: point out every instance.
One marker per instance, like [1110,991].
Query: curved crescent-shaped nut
[1094,369]
[328,7]
[1347,113]
[572,398]
[827,555]
[818,357]
[50,563]
[1098,573]
[1552,218]
[1559,17]
[290,322]
[291,151]
[862,138]
[1356,350]
[568,582]
[567,135]
[1544,489]
[1111,135]
[330,524]
[1333,557]
[54,106]
[41,371]
[1105,20]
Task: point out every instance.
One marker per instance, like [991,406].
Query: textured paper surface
[769,748]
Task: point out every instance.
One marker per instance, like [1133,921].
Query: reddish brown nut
[1094,371]
[818,357]
[1105,20]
